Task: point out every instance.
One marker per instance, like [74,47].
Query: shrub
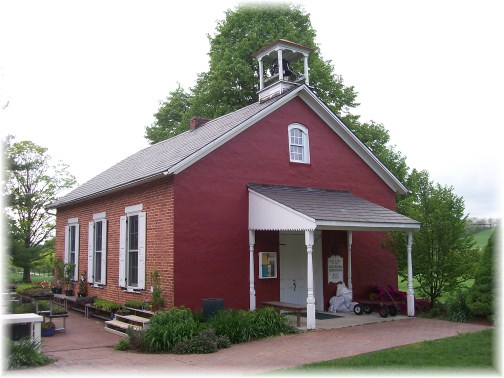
[266,322]
[122,345]
[24,353]
[206,342]
[201,344]
[135,339]
[456,308]
[167,328]
[242,326]
[481,295]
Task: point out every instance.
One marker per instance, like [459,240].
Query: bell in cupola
[281,53]
[287,71]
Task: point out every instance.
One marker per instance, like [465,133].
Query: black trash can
[211,306]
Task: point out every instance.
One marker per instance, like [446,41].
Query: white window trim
[306,143]
[132,210]
[142,229]
[98,217]
[72,222]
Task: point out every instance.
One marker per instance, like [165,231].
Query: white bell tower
[280,77]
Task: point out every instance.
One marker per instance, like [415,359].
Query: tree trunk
[26,275]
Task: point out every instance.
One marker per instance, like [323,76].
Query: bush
[242,326]
[456,308]
[122,345]
[24,353]
[168,328]
[135,339]
[205,342]
[481,295]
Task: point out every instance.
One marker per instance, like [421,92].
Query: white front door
[293,269]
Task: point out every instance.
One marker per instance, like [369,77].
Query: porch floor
[346,319]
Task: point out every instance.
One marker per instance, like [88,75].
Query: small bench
[295,308]
[63,316]
[33,319]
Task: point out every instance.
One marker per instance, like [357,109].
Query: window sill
[132,290]
[299,164]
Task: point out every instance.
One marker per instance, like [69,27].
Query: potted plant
[157,301]
[48,329]
[82,285]
[69,273]
[59,275]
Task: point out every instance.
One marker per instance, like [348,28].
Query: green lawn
[403,286]
[17,277]
[465,352]
[481,238]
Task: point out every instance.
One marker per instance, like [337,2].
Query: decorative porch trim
[365,226]
[266,214]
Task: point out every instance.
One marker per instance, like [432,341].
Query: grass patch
[481,238]
[18,277]
[464,352]
[403,286]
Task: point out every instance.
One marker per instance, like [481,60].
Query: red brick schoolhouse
[248,207]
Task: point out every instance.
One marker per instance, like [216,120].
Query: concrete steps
[119,325]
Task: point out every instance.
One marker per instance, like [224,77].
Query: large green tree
[172,118]
[444,254]
[32,182]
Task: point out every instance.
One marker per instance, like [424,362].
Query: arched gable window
[299,146]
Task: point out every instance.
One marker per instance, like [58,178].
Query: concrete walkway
[87,349]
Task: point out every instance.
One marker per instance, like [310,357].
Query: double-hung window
[72,245]
[97,250]
[132,248]
[299,146]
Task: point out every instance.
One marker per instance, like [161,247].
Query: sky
[85,78]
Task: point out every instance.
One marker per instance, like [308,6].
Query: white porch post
[261,75]
[251,276]
[306,71]
[349,243]
[310,301]
[411,291]
[280,65]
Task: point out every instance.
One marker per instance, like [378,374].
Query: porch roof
[273,207]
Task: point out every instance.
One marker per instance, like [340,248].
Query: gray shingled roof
[332,205]
[158,158]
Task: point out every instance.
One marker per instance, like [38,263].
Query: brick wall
[157,200]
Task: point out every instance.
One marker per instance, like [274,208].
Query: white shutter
[141,249]
[104,253]
[90,273]
[77,238]
[122,251]
[67,244]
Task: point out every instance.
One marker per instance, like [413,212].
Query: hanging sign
[335,269]
[267,265]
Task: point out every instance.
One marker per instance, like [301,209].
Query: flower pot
[57,290]
[69,293]
[47,332]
